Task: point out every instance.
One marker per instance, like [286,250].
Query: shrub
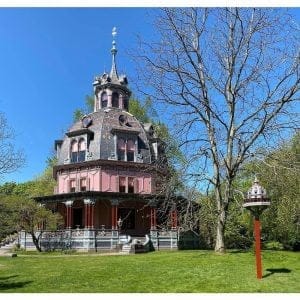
[272,245]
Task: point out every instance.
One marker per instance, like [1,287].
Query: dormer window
[115,100]
[104,99]
[78,150]
[121,149]
[126,150]
[130,150]
[81,150]
[74,151]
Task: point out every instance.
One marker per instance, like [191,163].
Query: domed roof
[101,131]
[256,191]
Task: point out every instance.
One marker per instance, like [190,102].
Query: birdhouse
[256,200]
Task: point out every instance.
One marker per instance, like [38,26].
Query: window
[72,186]
[81,151]
[74,151]
[78,151]
[126,150]
[115,100]
[83,185]
[130,185]
[103,99]
[121,149]
[122,184]
[130,150]
[125,103]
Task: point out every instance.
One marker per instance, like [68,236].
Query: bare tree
[230,80]
[10,159]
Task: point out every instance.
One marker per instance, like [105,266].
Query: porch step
[126,249]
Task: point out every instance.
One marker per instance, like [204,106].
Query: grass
[172,272]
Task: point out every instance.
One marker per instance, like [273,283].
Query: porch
[95,240]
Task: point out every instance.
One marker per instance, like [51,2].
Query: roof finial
[113,72]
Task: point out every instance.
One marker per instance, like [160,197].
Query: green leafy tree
[279,173]
[34,219]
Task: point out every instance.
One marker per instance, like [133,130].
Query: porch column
[174,218]
[69,214]
[153,218]
[41,225]
[114,214]
[88,213]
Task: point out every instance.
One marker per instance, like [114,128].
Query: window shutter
[117,183]
[77,188]
[136,185]
[87,183]
[68,186]
[152,185]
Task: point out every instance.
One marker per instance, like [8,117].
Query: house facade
[109,177]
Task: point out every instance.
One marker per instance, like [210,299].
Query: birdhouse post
[256,202]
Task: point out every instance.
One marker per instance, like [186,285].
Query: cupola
[110,90]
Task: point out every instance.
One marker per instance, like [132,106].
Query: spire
[113,73]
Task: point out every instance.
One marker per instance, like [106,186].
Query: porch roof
[96,195]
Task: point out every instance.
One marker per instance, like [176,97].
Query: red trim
[174,219]
[153,218]
[92,216]
[69,216]
[113,216]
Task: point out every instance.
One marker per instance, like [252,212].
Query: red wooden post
[92,215]
[114,216]
[257,248]
[153,218]
[174,218]
[86,223]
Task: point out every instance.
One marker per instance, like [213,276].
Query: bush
[272,245]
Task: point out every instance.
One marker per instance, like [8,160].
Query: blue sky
[48,59]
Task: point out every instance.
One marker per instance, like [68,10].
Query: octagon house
[108,178]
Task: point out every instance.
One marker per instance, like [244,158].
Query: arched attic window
[78,150]
[104,100]
[126,150]
[74,151]
[121,149]
[81,150]
[130,150]
[115,100]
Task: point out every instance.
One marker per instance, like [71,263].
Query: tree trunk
[220,245]
[35,241]
[221,217]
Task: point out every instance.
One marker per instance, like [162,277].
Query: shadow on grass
[274,271]
[6,285]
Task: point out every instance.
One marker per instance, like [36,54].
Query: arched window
[130,150]
[74,151]
[126,150]
[81,150]
[125,103]
[115,100]
[121,149]
[103,99]
[78,151]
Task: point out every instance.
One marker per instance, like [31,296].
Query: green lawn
[178,271]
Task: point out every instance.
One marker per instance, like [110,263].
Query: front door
[77,217]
